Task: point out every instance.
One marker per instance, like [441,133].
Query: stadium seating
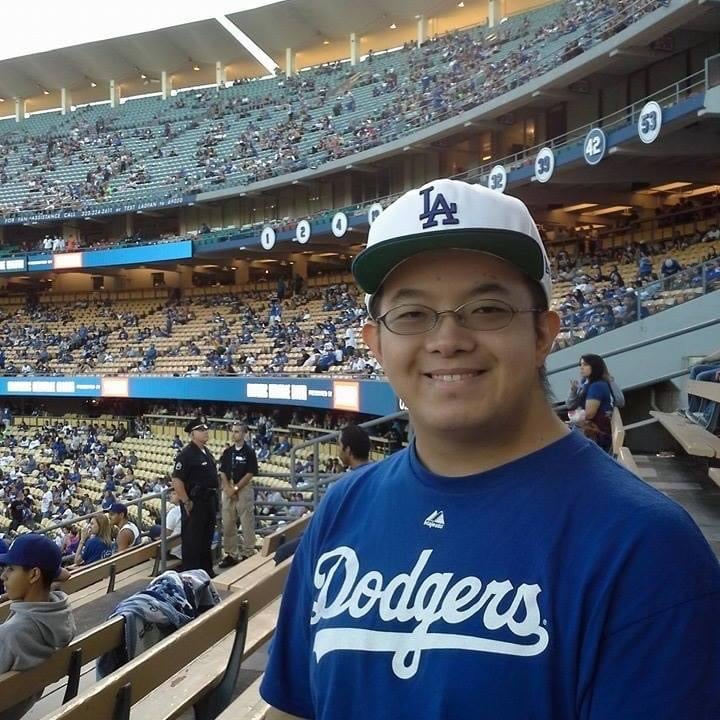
[690,431]
[191,335]
[188,684]
[258,129]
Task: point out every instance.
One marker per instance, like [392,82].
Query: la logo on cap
[440,206]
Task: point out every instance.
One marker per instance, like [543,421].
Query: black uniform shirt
[237,462]
[196,469]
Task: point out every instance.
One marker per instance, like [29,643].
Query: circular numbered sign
[339,224]
[374,212]
[650,122]
[497,179]
[595,146]
[544,165]
[303,232]
[267,238]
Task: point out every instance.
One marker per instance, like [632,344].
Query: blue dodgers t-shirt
[557,587]
[95,549]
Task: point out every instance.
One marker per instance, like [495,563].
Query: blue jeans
[703,373]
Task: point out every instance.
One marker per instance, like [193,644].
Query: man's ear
[371,336]
[547,327]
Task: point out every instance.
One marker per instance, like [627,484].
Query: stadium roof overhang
[314,29]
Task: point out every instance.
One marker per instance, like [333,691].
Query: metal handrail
[162,495]
[665,97]
[643,343]
[315,442]
[643,294]
[695,83]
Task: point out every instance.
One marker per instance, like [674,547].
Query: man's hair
[357,440]
[241,425]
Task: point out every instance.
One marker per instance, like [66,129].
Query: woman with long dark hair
[595,395]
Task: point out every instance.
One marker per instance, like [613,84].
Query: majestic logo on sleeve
[438,596]
[439,206]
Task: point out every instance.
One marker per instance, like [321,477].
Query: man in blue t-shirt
[501,566]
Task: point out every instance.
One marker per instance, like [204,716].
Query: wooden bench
[187,687]
[112,697]
[248,706]
[16,686]
[617,431]
[706,390]
[622,454]
[287,532]
[67,663]
[714,474]
[625,457]
[694,439]
[233,578]
[143,558]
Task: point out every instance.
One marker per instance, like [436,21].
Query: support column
[65,101]
[114,93]
[299,266]
[129,225]
[289,62]
[422,28]
[19,109]
[165,84]
[495,12]
[354,50]
[242,272]
[186,273]
[219,74]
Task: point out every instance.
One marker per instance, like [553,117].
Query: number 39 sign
[650,122]
[544,165]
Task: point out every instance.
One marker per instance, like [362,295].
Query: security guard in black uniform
[195,480]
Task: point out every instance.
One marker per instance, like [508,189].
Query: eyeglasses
[482,314]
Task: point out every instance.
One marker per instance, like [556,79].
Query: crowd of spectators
[604,288]
[59,471]
[601,298]
[242,139]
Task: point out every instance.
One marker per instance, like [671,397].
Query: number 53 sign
[649,122]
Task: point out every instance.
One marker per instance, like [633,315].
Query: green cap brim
[372,265]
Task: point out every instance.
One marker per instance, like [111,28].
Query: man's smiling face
[454,379]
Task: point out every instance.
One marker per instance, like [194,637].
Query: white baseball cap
[451,214]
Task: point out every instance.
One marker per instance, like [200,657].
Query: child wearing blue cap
[40,620]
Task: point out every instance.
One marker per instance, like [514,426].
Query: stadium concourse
[202,235]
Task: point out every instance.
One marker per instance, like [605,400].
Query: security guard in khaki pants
[238,465]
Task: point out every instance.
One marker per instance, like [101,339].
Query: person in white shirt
[128,533]
[47,243]
[351,338]
[46,503]
[712,234]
